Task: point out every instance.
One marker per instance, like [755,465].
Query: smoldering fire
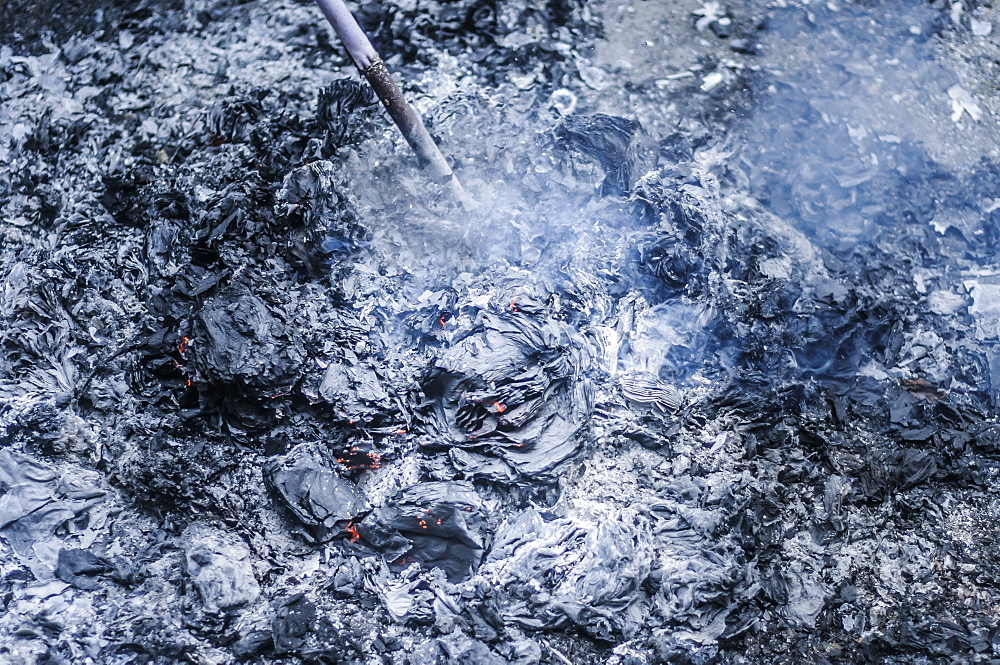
[709,373]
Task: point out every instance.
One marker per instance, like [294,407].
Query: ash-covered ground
[708,374]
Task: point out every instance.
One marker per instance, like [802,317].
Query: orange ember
[352,529]
[354,460]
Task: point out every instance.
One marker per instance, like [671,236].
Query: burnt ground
[708,374]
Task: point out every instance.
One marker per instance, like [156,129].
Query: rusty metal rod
[368,62]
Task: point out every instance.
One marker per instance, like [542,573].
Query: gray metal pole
[368,62]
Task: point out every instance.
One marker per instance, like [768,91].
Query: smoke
[859,124]
[858,103]
[865,134]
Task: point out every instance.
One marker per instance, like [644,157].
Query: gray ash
[709,376]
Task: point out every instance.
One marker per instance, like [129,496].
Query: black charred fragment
[241,342]
[232,120]
[135,197]
[309,484]
[346,109]
[487,33]
[81,568]
[437,524]
[324,223]
[515,388]
[292,623]
[687,242]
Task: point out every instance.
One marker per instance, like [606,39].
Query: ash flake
[711,81]
[981,28]
[961,101]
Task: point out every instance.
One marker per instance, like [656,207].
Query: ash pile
[709,374]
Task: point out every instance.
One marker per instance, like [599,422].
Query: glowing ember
[355,459]
[352,529]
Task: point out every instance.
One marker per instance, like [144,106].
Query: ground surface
[707,372]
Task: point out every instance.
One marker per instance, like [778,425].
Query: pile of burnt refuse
[268,395]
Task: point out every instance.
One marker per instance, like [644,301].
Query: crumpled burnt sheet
[517,389]
[35,501]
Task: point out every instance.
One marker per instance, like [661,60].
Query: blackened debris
[241,342]
[121,197]
[292,622]
[437,524]
[81,568]
[346,109]
[499,36]
[233,120]
[355,390]
[720,386]
[309,483]
[687,244]
[516,388]
[461,649]
[324,224]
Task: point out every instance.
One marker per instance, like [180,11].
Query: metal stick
[368,62]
